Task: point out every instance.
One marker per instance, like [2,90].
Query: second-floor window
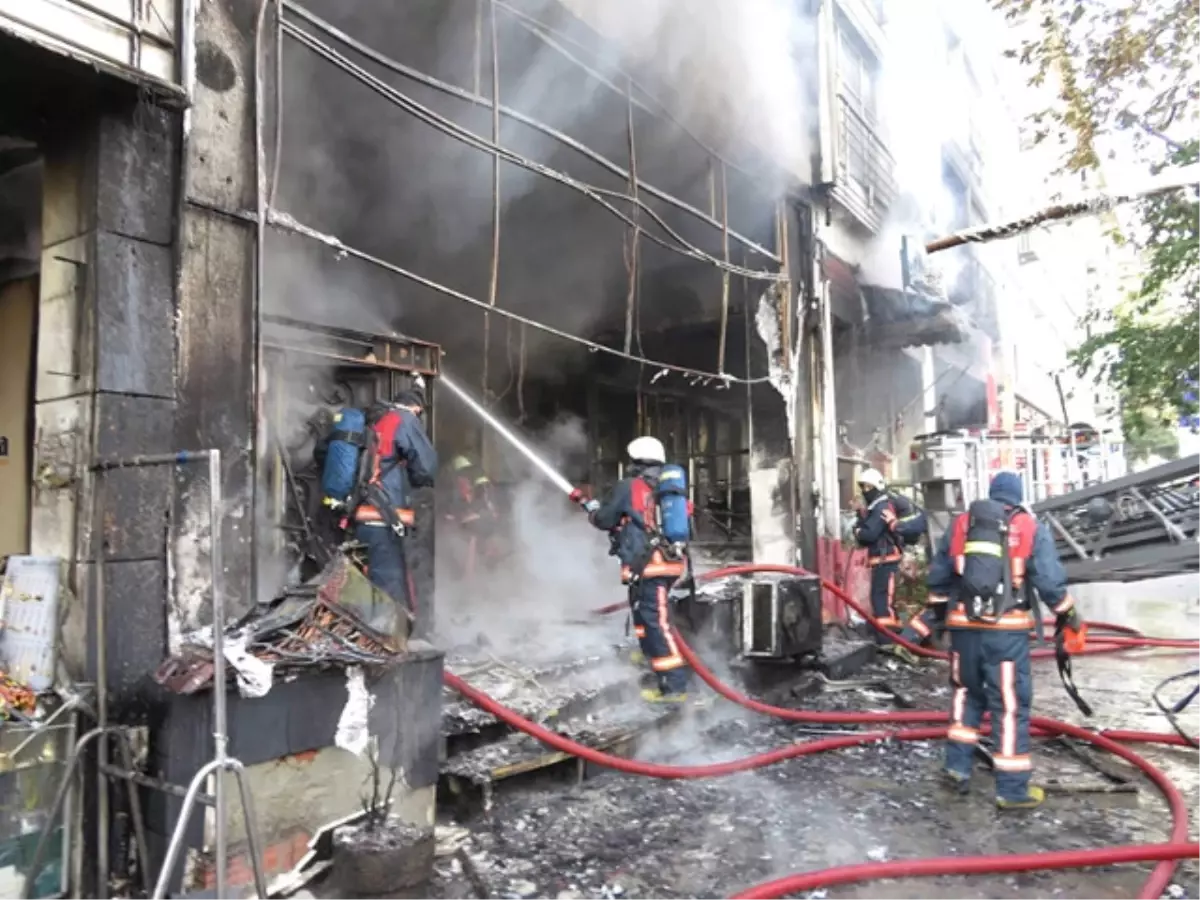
[858,70]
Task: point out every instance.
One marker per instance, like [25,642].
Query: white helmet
[647,450]
[872,478]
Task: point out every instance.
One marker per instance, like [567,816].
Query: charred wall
[215,376]
[357,166]
[105,351]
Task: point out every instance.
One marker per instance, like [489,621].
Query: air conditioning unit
[781,618]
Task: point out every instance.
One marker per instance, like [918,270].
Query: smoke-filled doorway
[590,269]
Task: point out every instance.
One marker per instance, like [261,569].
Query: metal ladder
[1138,526]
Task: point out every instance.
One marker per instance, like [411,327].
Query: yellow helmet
[459,463]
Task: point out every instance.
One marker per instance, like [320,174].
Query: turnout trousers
[387,567]
[651,613]
[989,670]
[883,597]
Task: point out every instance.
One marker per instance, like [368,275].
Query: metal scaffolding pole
[724,272]
[494,280]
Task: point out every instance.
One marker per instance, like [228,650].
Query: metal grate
[866,182]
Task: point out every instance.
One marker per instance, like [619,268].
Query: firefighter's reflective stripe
[1013,620]
[1068,604]
[894,556]
[370,514]
[919,626]
[639,631]
[1008,703]
[658,567]
[958,705]
[983,548]
[962,734]
[891,598]
[935,599]
[1020,762]
[987,548]
[673,659]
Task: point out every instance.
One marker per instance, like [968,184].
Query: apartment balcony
[974,291]
[864,177]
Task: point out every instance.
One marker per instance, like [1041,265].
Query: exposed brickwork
[278,857]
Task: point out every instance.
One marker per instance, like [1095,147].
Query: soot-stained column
[215,325]
[104,386]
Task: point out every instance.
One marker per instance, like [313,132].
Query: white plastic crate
[29,609]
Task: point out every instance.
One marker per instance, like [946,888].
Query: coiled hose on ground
[1167,854]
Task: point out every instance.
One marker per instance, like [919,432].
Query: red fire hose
[1167,854]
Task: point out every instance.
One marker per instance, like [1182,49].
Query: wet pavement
[615,835]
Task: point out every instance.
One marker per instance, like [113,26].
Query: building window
[1025,252]
[955,211]
[865,180]
[858,70]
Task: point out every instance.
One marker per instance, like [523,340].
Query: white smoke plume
[534,603]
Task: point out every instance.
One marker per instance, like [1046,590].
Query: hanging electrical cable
[284,222]
[448,126]
[566,140]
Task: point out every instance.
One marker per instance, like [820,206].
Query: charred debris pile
[334,620]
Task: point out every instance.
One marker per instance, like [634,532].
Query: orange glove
[1075,639]
[1070,631]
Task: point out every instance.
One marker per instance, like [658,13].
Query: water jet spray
[519,444]
[1163,183]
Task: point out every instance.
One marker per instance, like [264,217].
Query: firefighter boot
[957,781]
[902,653]
[656,695]
[1032,799]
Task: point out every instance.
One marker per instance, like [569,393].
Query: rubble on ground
[620,836]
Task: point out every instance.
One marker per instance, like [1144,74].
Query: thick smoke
[728,72]
[534,602]
[922,110]
[357,166]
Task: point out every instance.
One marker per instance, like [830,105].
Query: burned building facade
[236,216]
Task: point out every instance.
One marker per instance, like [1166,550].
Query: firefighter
[989,614]
[405,459]
[874,530]
[645,565]
[473,509]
